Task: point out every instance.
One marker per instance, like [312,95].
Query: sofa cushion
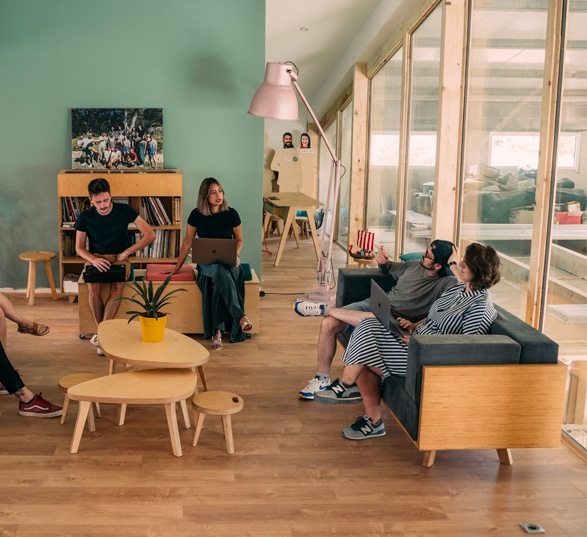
[411,256]
[155,272]
[456,350]
[537,348]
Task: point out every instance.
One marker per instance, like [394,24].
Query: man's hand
[381,256]
[409,326]
[101,264]
[123,256]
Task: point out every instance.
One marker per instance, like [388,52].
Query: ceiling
[330,27]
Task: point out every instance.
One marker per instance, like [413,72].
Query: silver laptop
[381,308]
[380,304]
[209,251]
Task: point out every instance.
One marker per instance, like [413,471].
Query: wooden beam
[540,250]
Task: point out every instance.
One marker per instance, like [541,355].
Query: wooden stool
[33,258]
[217,404]
[302,223]
[143,387]
[71,380]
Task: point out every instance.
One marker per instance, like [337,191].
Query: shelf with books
[160,191]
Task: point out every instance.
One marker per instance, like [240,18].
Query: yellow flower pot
[153,330]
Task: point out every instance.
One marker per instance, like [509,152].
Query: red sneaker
[39,408]
[3,390]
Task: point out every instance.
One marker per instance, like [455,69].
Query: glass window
[503,110]
[421,146]
[386,88]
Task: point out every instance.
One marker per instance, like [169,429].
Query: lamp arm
[309,108]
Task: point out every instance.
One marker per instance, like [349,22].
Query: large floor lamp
[275,99]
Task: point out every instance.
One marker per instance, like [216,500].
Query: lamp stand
[324,267]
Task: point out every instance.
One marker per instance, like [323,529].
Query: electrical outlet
[532,528]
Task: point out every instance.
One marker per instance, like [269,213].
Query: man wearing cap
[419,284]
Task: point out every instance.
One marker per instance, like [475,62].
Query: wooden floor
[292,473]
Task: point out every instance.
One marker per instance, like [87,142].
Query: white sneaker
[315,385]
[308,309]
[94,341]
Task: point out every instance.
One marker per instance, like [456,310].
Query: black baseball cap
[441,250]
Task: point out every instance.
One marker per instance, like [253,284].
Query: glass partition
[503,107]
[382,186]
[423,119]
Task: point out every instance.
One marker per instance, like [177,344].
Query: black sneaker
[364,428]
[338,394]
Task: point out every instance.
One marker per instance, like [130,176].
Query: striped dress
[455,312]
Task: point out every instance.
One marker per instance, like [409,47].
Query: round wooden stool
[73,380]
[33,258]
[217,404]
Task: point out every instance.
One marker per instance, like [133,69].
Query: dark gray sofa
[498,391]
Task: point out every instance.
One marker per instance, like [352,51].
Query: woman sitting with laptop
[374,353]
[222,285]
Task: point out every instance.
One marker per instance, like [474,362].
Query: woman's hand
[406,339]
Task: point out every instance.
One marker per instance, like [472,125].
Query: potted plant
[151,302]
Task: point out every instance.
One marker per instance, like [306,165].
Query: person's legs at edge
[29,404]
[335,322]
[10,313]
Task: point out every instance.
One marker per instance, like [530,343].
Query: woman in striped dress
[373,352]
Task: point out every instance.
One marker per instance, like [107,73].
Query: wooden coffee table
[122,343]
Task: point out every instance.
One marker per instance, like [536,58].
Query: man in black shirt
[102,240]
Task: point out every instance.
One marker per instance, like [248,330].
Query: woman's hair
[203,205]
[483,262]
[307,136]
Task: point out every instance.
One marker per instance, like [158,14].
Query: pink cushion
[155,272]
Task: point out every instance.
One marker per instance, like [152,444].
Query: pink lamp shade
[275,97]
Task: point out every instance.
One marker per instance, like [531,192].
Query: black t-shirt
[107,234]
[215,226]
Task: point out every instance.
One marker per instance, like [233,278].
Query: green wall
[199,60]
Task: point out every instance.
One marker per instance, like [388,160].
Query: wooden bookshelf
[160,190]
